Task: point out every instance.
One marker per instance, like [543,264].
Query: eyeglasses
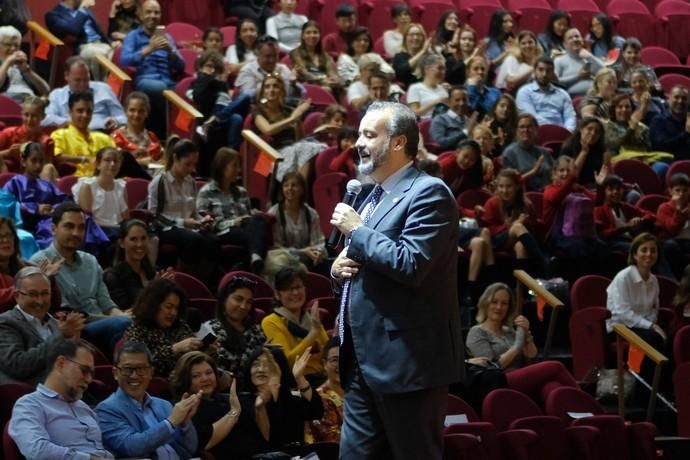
[87,371]
[35,295]
[128,371]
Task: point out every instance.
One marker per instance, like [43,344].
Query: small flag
[264,164]
[541,303]
[635,357]
[183,122]
[42,50]
[114,83]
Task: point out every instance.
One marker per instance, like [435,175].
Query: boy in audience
[335,43]
[673,221]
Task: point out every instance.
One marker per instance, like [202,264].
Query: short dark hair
[86,96]
[148,302]
[344,9]
[181,378]
[212,30]
[63,208]
[133,348]
[333,342]
[233,284]
[612,180]
[679,179]
[287,275]
[543,59]
[67,348]
[378,73]
[398,9]
[180,149]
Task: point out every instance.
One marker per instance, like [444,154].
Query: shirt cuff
[171,428]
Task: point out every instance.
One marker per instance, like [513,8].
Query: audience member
[286,26]
[107,110]
[408,62]
[482,97]
[53,421]
[238,334]
[575,68]
[518,65]
[234,220]
[136,424]
[451,127]
[673,221]
[373,85]
[548,103]
[393,38]
[157,60]
[311,63]
[602,38]
[80,278]
[483,136]
[669,131]
[502,120]
[587,140]
[28,333]
[424,97]
[639,84]
[525,155]
[359,45]
[12,137]
[212,40]
[294,326]
[327,429]
[243,50]
[17,79]
[75,18]
[599,95]
[335,43]
[253,74]
[172,201]
[442,38]
[77,145]
[297,226]
[134,138]
[629,61]
[500,38]
[10,262]
[552,39]
[463,170]
[626,136]
[124,16]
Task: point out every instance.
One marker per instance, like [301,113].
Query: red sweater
[670,220]
[606,225]
[554,194]
[494,219]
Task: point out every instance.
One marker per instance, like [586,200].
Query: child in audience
[12,137]
[213,40]
[672,220]
[481,134]
[463,171]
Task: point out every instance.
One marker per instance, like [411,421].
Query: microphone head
[354,186]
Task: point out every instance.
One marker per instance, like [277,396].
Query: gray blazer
[22,351]
[404,313]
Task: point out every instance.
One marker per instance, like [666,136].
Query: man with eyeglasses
[53,421]
[28,332]
[135,424]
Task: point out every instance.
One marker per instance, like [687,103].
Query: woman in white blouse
[633,295]
[297,226]
[242,51]
[518,66]
[424,96]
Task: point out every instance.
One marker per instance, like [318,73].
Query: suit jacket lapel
[19,317]
[391,200]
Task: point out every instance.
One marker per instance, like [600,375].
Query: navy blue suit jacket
[60,22]
[404,315]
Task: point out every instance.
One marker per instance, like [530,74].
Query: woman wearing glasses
[17,79]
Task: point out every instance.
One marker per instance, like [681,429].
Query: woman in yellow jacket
[294,328]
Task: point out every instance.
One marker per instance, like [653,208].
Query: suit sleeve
[18,361]
[429,227]
[65,24]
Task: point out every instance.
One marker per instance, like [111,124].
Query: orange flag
[635,357]
[541,303]
[114,83]
[264,164]
[42,50]
[183,121]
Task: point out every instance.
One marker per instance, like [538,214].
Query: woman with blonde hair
[518,65]
[604,88]
[408,62]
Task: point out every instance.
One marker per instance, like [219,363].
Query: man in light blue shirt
[135,424]
[53,422]
[107,110]
[549,104]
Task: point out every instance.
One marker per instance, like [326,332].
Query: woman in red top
[511,219]
[134,138]
[463,171]
[11,138]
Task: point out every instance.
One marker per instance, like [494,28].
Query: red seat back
[137,192]
[581,12]
[588,340]
[327,191]
[681,383]
[323,161]
[478,14]
[184,34]
[651,202]
[589,291]
[192,286]
[9,447]
[229,33]
[458,406]
[640,173]
[657,55]
[681,346]
[632,19]
[429,12]
[530,14]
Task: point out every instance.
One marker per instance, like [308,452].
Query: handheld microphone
[353,188]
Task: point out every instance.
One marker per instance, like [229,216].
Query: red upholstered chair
[318,286]
[262,288]
[189,56]
[468,199]
[680,166]
[9,447]
[323,11]
[669,80]
[424,127]
[323,161]
[137,192]
[192,286]
[462,445]
[681,383]
[5,177]
[640,173]
[681,346]
[632,19]
[328,190]
[378,19]
[10,111]
[320,98]
[589,291]
[651,202]
[589,342]
[378,48]
[228,35]
[581,12]
[66,183]
[672,29]
[311,122]
[9,394]
[429,11]
[478,14]
[551,133]
[184,34]
[656,55]
[530,14]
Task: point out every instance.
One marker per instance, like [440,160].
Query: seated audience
[335,43]
[373,85]
[243,50]
[76,144]
[134,138]
[463,171]
[156,58]
[502,120]
[212,40]
[552,39]
[253,74]
[518,65]
[576,67]
[639,84]
[669,131]
[408,62]
[133,268]
[673,221]
[503,337]
[603,89]
[10,263]
[297,226]
[53,421]
[629,61]
[107,110]
[283,124]
[28,333]
[393,38]
[424,97]
[311,63]
[234,220]
[238,334]
[75,18]
[468,45]
[360,45]
[587,140]
[483,136]
[500,38]
[294,328]
[285,26]
[17,79]
[327,429]
[482,97]
[442,38]
[80,279]
[172,201]
[549,104]
[124,16]
[103,196]
[136,424]
[12,137]
[602,38]
[450,128]
[525,154]
[158,322]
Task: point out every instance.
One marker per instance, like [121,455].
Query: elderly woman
[158,323]
[503,337]
[596,102]
[629,61]
[407,63]
[425,96]
[238,334]
[295,327]
[17,79]
[518,65]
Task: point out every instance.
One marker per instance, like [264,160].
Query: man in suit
[400,334]
[28,332]
[135,424]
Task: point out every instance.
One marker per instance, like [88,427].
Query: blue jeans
[233,114]
[106,332]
